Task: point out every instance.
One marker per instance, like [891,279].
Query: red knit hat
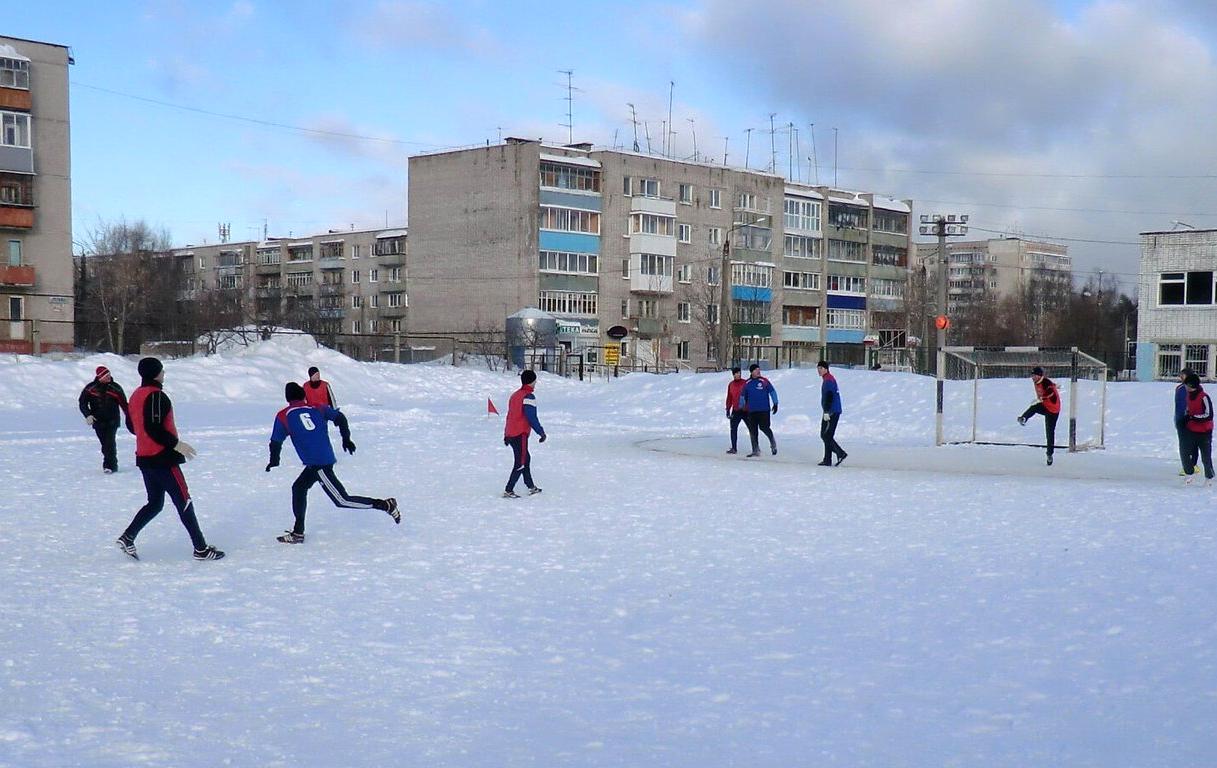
[102,371]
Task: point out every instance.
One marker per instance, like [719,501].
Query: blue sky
[1083,120]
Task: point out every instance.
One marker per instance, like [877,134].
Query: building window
[395,274]
[685,273]
[16,189]
[389,246]
[682,350]
[625,268]
[889,288]
[1170,360]
[331,250]
[299,279]
[846,284]
[354,276]
[355,249]
[801,281]
[577,178]
[751,274]
[228,282]
[686,193]
[850,319]
[889,255]
[569,220]
[395,299]
[300,252]
[14,129]
[372,326]
[356,302]
[684,233]
[844,250]
[1196,357]
[654,265]
[715,235]
[648,187]
[569,263]
[14,253]
[1172,288]
[712,313]
[569,302]
[375,301]
[891,221]
[746,201]
[626,186]
[847,217]
[802,247]
[803,214]
[16,308]
[1200,288]
[14,73]
[648,308]
[625,308]
[804,317]
[228,259]
[395,325]
[683,313]
[373,276]
[268,256]
[650,224]
[716,198]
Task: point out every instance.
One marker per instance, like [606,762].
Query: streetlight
[724,325]
[946,226]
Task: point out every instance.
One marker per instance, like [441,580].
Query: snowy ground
[659,604]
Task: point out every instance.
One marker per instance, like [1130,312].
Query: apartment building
[36,288]
[997,268]
[606,238]
[339,285]
[1177,313]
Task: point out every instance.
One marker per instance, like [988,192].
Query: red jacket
[733,389]
[1199,411]
[151,415]
[518,421]
[1047,393]
[319,394]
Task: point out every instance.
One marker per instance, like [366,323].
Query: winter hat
[1037,371]
[293,392]
[528,377]
[313,369]
[149,368]
[753,367]
[102,371]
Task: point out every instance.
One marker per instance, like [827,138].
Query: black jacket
[104,402]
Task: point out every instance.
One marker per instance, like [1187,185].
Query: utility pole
[943,226]
[724,316]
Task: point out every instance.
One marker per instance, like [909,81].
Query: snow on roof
[324,242]
[9,52]
[890,204]
[584,161]
[391,233]
[803,192]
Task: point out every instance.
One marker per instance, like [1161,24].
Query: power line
[1066,210]
[1026,236]
[1004,174]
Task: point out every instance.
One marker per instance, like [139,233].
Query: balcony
[391,260]
[268,291]
[16,98]
[661,284]
[660,206]
[331,289]
[17,277]
[331,312]
[751,329]
[330,262]
[647,327]
[16,217]
[266,269]
[393,311]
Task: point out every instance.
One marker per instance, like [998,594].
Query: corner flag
[490,407]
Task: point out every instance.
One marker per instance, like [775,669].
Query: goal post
[980,391]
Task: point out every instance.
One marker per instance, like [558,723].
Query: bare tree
[125,280]
[706,314]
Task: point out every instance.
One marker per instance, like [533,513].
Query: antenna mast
[570,105]
[634,122]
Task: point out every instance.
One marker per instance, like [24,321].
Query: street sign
[617,332]
[612,354]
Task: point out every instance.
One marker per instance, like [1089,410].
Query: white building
[1177,315]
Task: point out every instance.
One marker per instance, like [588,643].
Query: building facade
[36,276]
[341,285]
[997,268]
[607,238]
[1177,309]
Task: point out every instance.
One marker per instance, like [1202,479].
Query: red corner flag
[490,407]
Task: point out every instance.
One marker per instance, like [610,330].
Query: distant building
[36,278]
[997,268]
[1177,310]
[606,238]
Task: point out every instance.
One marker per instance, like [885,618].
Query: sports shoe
[732,450]
[208,553]
[840,459]
[533,491]
[1050,461]
[773,450]
[1189,479]
[753,455]
[107,471]
[1021,421]
[128,547]
[290,537]
[825,463]
[391,509]
[510,495]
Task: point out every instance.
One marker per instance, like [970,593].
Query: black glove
[775,408]
[542,439]
[348,446]
[728,413]
[272,463]
[506,441]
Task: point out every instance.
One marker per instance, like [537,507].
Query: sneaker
[840,459]
[288,537]
[825,463]
[1189,479]
[128,547]
[208,553]
[1021,421]
[107,471]
[773,450]
[533,491]
[1182,473]
[510,495]
[1050,461]
[753,455]
[732,450]
[391,509]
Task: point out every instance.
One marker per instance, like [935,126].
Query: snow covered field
[660,603]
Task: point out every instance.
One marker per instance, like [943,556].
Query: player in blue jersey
[306,425]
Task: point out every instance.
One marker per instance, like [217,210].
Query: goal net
[985,390]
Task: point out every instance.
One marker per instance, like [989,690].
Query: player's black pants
[758,421]
[1199,443]
[159,481]
[828,433]
[332,487]
[1187,448]
[109,452]
[1049,423]
[521,465]
[736,417]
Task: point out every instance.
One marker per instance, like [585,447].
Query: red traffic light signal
[942,322]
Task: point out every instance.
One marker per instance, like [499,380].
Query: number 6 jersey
[306,425]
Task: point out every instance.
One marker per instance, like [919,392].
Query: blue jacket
[756,395]
[830,394]
[1180,406]
[306,425]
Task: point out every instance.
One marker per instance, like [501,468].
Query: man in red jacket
[521,421]
[103,404]
[734,413]
[1199,427]
[1048,405]
[159,454]
[317,391]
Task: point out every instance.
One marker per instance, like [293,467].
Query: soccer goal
[983,390]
